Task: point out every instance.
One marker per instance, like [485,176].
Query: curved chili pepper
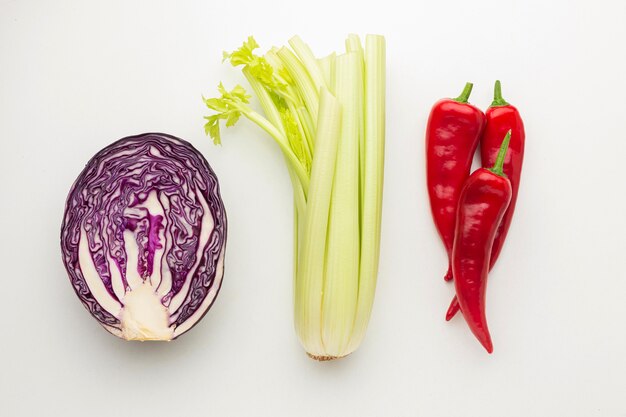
[452,134]
[483,201]
[501,117]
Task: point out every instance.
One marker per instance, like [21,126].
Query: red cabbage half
[143,237]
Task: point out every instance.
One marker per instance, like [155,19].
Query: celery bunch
[327,116]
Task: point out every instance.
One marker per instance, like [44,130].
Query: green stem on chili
[497,167]
[467,90]
[497,96]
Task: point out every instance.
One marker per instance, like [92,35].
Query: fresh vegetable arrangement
[144,230]
[143,237]
[327,116]
[473,206]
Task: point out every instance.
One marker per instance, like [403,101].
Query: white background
[74,76]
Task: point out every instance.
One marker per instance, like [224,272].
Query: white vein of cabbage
[143,299]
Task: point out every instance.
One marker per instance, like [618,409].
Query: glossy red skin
[452,136]
[483,201]
[499,120]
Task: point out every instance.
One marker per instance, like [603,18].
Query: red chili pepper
[483,201]
[452,134]
[501,117]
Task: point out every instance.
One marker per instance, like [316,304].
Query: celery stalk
[292,159]
[310,277]
[307,126]
[273,115]
[341,282]
[309,61]
[328,118]
[268,106]
[304,136]
[327,65]
[302,80]
[303,112]
[353,44]
[375,80]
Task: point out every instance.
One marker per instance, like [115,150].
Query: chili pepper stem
[497,96]
[467,90]
[497,167]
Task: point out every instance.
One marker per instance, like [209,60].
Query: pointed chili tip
[485,340]
[497,167]
[452,310]
[448,276]
[497,96]
[467,90]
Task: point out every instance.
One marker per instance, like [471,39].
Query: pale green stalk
[310,276]
[308,126]
[296,242]
[302,80]
[272,57]
[353,44]
[303,113]
[273,115]
[375,79]
[306,143]
[267,104]
[327,64]
[341,282]
[283,143]
[309,61]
